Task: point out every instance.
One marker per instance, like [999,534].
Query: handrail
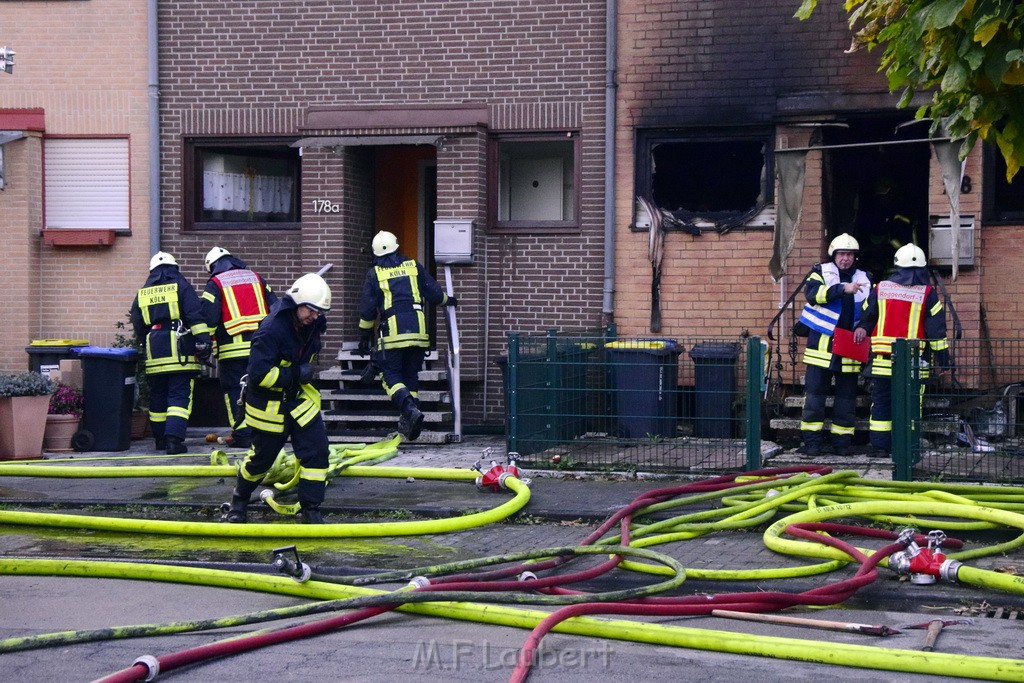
[454,356]
[785,306]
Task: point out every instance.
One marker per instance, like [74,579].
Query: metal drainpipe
[154,127]
[610,89]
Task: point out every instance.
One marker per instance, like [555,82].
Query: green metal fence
[654,403]
[696,405]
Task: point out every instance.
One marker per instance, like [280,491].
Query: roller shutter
[86,183]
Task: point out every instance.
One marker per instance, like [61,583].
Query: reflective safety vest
[901,314]
[159,303]
[243,305]
[823,316]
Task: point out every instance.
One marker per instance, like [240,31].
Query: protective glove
[453,301]
[203,351]
[305,373]
[364,344]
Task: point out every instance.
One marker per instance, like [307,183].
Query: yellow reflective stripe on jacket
[270,419]
[270,379]
[400,341]
[234,349]
[309,406]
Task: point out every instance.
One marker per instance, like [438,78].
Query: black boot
[310,514]
[176,445]
[411,423]
[160,443]
[236,512]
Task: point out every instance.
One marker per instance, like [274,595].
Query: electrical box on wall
[453,240]
[940,241]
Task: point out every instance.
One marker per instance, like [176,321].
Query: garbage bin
[644,375]
[714,387]
[108,383]
[535,425]
[572,415]
[45,355]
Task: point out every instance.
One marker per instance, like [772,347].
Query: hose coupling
[527,576]
[152,665]
[291,566]
[419,582]
[950,571]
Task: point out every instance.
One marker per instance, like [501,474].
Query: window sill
[79,237]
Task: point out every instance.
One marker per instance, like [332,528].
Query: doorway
[877,193]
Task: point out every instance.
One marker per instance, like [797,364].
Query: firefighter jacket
[905,307]
[167,318]
[828,307]
[395,291]
[235,300]
[280,347]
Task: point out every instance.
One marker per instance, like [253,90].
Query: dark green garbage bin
[535,424]
[715,388]
[108,385]
[644,375]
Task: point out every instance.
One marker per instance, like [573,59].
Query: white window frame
[86,183]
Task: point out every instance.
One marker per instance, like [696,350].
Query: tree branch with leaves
[969,54]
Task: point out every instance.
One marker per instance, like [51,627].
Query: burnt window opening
[1004,201]
[723,180]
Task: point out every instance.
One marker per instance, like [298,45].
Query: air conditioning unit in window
[940,241]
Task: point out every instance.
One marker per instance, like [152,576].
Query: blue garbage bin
[644,375]
[108,386]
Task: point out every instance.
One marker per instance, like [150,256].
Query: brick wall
[255,68]
[84,64]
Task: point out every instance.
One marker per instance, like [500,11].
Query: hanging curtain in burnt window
[790,168]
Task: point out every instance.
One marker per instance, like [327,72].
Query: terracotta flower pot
[59,430]
[22,423]
[140,423]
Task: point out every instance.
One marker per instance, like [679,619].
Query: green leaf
[942,13]
[806,9]
[987,31]
[955,78]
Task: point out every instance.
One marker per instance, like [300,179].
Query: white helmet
[311,290]
[910,256]
[161,258]
[213,255]
[844,242]
[384,243]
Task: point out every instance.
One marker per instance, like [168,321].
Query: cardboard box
[71,372]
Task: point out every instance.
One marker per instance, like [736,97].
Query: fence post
[554,403]
[755,373]
[904,393]
[512,392]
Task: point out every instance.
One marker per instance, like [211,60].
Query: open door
[877,192]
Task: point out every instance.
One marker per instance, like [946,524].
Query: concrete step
[352,375]
[794,423]
[375,416]
[863,401]
[371,435]
[370,394]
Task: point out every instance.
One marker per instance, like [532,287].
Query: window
[85,181]
[534,181]
[696,177]
[244,184]
[1004,202]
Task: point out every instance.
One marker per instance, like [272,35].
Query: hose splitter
[924,564]
[495,477]
[293,566]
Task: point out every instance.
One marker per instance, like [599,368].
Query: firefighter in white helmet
[235,301]
[281,401]
[393,300]
[903,306]
[835,291]
[167,320]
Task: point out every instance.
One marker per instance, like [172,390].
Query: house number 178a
[325,206]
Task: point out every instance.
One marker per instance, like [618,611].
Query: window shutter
[86,183]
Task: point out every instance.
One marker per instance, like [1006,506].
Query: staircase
[357,412]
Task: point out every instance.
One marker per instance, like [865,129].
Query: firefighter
[835,292]
[281,401]
[903,306]
[235,300]
[167,317]
[393,297]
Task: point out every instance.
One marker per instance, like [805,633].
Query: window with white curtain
[242,184]
[86,183]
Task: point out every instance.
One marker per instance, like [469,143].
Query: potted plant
[65,412]
[24,400]
[125,339]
